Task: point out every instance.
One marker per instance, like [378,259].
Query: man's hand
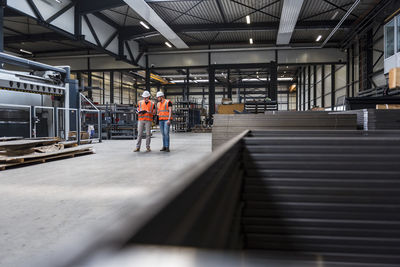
[169,122]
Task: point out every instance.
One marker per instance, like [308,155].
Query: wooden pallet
[38,158]
[10,138]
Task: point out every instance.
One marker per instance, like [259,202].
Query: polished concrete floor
[43,204]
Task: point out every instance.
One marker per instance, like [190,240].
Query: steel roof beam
[148,14]
[90,6]
[136,32]
[50,36]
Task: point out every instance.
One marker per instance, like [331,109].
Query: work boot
[163,148]
[148,149]
[167,149]
[137,150]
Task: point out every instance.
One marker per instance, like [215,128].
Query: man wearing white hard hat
[146,111]
[164,112]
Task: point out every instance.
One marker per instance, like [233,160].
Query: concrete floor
[44,203]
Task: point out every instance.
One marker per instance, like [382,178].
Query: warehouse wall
[308,99]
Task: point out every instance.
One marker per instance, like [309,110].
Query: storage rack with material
[254,106]
[186,114]
[119,121]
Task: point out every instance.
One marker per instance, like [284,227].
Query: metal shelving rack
[260,106]
[119,121]
[186,114]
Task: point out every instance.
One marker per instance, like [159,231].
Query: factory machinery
[41,101]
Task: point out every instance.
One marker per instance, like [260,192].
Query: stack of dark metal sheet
[336,195]
[268,198]
[376,119]
[227,126]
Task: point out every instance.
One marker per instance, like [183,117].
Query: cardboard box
[230,109]
[394,78]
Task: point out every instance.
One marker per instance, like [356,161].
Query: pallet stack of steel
[227,126]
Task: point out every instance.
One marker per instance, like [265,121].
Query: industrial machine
[36,99]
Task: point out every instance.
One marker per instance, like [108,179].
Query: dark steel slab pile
[376,119]
[336,195]
[227,126]
[268,198]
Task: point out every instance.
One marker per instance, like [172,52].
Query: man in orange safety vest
[146,111]
[164,112]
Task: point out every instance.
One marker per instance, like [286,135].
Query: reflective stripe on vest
[143,106]
[163,111]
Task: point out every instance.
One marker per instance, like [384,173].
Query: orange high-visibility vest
[162,110]
[149,107]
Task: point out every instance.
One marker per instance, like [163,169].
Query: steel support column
[186,94]
[104,90]
[298,90]
[136,91]
[315,86]
[3,4]
[365,61]
[211,91]
[323,86]
[309,88]
[333,86]
[90,85]
[352,71]
[111,87]
[229,84]
[122,90]
[348,74]
[304,88]
[273,85]
[147,74]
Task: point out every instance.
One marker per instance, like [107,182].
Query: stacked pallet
[227,126]
[25,151]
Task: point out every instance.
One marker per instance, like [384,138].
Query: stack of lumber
[25,151]
[227,126]
[230,109]
[11,138]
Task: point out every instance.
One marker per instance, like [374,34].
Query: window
[389,39]
[398,33]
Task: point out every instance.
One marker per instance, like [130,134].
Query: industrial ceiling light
[318,38]
[251,40]
[145,25]
[168,44]
[25,51]
[334,15]
[248,19]
[289,15]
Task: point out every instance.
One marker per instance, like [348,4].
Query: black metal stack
[333,195]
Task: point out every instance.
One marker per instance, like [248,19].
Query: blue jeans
[164,128]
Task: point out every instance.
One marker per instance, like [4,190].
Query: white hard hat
[159,94]
[146,94]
